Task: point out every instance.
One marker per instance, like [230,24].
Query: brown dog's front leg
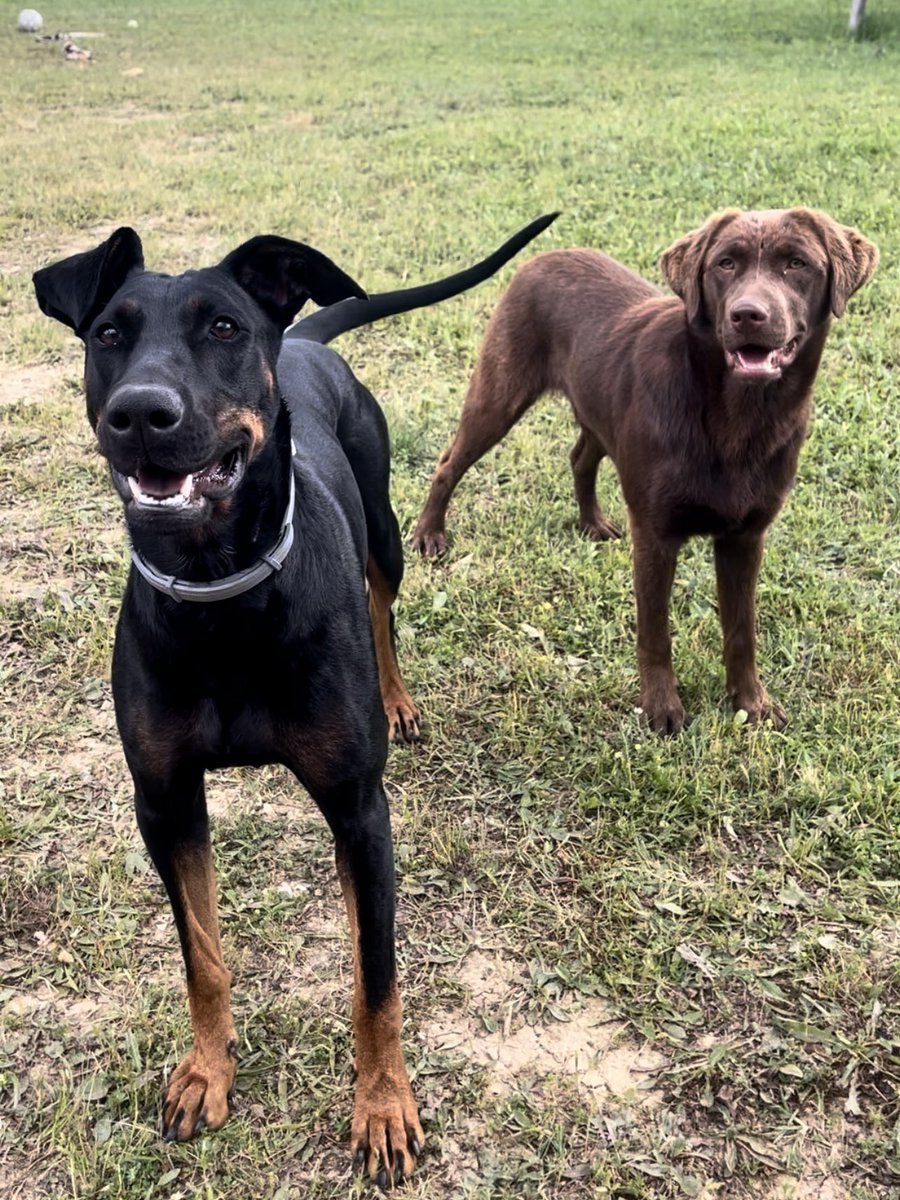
[738,559]
[654,572]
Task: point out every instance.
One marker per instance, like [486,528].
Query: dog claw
[666,720]
[601,530]
[404,726]
[198,1096]
[386,1137]
[429,545]
[760,710]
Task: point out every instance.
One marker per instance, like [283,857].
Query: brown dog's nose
[748,314]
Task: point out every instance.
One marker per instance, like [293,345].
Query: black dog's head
[764,282]
[180,369]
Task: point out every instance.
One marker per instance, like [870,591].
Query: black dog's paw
[403,722]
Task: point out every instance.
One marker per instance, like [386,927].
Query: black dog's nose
[748,313]
[146,413]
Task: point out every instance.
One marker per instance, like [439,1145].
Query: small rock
[30,21]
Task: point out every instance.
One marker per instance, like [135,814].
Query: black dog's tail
[328,323]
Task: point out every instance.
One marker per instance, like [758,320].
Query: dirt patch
[14,589]
[325,971]
[76,1014]
[808,1189]
[88,237]
[585,1042]
[24,1178]
[821,1151]
[34,383]
[89,760]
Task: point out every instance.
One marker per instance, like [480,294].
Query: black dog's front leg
[386,1136]
[173,821]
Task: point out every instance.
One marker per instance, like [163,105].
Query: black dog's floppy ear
[75,289]
[282,275]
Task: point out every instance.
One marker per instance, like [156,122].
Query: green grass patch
[729,899]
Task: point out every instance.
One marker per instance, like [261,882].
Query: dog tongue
[754,356]
[160,483]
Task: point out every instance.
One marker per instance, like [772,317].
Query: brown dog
[701,400]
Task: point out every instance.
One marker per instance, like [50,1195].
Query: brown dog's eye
[726,263]
[796,263]
[223,328]
[107,335]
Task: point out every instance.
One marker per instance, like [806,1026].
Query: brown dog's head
[762,282]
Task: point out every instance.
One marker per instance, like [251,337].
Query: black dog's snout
[747,313]
[144,414]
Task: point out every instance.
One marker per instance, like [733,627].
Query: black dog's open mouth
[758,362]
[153,488]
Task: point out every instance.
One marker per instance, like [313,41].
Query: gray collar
[231,585]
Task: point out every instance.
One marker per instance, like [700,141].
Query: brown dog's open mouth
[758,362]
[155,488]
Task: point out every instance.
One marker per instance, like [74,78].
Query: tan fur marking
[200,1084]
[402,715]
[267,375]
[244,420]
[385,1119]
[209,986]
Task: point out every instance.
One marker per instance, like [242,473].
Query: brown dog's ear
[852,259]
[682,264]
[75,289]
[282,275]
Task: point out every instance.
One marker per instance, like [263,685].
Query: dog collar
[230,585]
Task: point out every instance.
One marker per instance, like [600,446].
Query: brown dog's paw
[762,708]
[403,722]
[198,1094]
[429,543]
[664,713]
[386,1137]
[600,529]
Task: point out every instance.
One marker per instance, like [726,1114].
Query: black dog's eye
[726,263]
[796,263]
[223,328]
[107,335]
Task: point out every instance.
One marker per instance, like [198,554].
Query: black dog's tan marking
[381,1135]
[197,404]
[402,715]
[203,1080]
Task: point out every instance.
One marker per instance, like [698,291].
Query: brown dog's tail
[328,323]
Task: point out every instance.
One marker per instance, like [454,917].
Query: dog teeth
[147,500]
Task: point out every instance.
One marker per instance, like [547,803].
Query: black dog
[257,506]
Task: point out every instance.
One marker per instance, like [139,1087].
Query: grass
[729,900]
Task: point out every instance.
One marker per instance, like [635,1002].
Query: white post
[857,12]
